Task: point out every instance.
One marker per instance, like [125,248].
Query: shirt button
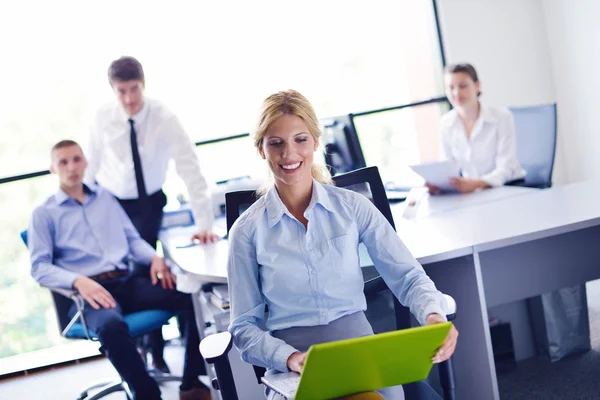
[312,272]
[323,313]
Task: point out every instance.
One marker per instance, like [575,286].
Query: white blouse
[490,153]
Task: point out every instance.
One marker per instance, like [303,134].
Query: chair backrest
[61,303]
[368,182]
[535,130]
[365,180]
[235,204]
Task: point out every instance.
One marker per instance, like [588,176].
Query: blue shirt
[67,239]
[312,276]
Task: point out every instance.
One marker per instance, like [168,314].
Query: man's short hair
[62,144]
[125,69]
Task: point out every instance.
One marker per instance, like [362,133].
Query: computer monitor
[342,147]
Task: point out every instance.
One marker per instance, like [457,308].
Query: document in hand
[438,173]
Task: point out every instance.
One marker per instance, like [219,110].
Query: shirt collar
[487,116]
[137,118]
[484,114]
[275,207]
[61,196]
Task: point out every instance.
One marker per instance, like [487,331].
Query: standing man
[129,149]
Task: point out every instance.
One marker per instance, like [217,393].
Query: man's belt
[119,273]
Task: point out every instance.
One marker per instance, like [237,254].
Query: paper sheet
[438,173]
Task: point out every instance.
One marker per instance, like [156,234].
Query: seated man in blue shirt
[80,238]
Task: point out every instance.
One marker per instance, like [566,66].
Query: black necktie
[137,163]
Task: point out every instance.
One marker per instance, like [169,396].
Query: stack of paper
[220,296]
[438,173]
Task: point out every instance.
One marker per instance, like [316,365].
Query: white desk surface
[465,223]
[453,201]
[529,216]
[430,240]
[208,261]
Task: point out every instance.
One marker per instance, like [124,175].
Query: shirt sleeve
[256,346]
[141,252]
[93,152]
[507,163]
[40,242]
[188,168]
[400,270]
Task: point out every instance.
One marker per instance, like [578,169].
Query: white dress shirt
[490,153]
[160,137]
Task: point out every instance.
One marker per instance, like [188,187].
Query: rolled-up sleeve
[400,270]
[40,242]
[188,168]
[256,346]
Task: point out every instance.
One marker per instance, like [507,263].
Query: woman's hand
[432,188]
[466,185]
[295,361]
[447,349]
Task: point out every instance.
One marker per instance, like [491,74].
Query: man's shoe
[196,393]
[159,364]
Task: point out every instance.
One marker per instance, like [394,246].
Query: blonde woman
[295,250]
[480,138]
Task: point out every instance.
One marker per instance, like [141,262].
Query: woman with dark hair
[480,138]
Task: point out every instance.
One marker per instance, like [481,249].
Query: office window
[393,140]
[212,63]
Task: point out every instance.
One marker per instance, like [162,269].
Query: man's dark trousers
[146,215]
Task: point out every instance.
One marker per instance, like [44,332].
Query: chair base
[107,388]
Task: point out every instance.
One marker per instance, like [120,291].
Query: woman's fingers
[447,349]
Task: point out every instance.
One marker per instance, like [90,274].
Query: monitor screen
[342,147]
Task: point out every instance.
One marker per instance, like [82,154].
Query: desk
[495,252]
[207,262]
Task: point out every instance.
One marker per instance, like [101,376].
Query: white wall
[573,33]
[507,42]
[532,52]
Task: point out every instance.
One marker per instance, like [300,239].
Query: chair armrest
[80,304]
[215,349]
[216,346]
[451,307]
[70,293]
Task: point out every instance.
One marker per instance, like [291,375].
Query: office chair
[215,348]
[140,323]
[535,130]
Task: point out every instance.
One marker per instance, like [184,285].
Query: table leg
[200,324]
[473,360]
